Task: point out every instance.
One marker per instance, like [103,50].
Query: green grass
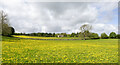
[16,50]
[36,37]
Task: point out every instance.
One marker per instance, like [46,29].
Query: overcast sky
[66,17]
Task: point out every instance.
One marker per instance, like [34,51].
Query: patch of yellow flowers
[60,51]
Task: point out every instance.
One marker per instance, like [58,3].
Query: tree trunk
[84,36]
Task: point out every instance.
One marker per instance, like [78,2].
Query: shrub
[104,36]
[94,36]
[112,35]
[118,36]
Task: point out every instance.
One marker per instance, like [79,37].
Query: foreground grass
[59,51]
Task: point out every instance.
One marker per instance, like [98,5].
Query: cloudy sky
[59,17]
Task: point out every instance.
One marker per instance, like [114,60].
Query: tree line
[88,35]
[7,30]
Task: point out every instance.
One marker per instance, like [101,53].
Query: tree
[64,34]
[13,30]
[4,22]
[73,35]
[104,36]
[49,35]
[94,36]
[87,33]
[118,36]
[85,29]
[53,34]
[112,35]
[68,35]
[56,35]
[38,34]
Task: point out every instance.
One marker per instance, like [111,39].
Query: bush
[94,36]
[112,35]
[104,36]
[118,36]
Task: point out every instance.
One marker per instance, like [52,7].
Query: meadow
[15,50]
[36,37]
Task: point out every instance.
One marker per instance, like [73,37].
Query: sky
[61,17]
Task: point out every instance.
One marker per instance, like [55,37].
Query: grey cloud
[51,17]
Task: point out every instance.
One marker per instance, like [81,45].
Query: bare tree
[85,29]
[4,23]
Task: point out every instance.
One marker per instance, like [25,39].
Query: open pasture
[16,50]
[37,37]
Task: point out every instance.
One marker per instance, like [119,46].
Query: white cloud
[73,0]
[58,17]
[107,28]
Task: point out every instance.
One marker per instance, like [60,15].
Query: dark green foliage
[53,35]
[68,35]
[72,35]
[5,27]
[89,35]
[94,36]
[104,36]
[64,34]
[118,36]
[112,35]
[8,33]
[13,30]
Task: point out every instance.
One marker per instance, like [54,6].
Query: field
[35,37]
[16,50]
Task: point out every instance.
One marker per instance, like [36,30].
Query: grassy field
[22,36]
[16,50]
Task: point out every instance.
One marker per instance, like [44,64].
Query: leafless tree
[85,29]
[4,24]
